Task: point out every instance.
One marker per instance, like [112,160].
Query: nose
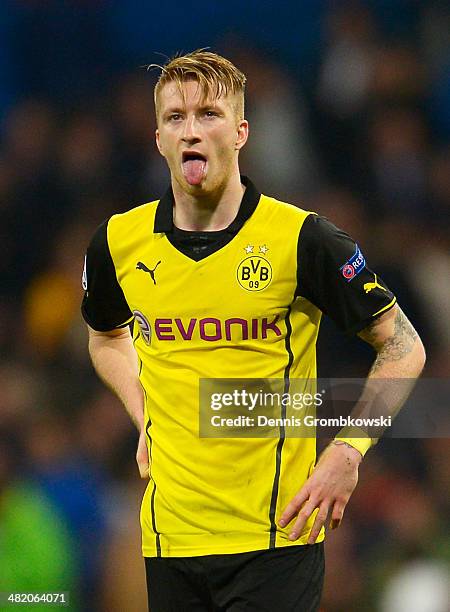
[191,132]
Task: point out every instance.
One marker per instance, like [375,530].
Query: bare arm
[115,361]
[400,352]
[400,355]
[399,361]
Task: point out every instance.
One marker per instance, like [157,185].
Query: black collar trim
[164,211]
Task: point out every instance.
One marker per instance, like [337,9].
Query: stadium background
[349,107]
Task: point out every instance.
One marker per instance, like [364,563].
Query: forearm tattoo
[396,346]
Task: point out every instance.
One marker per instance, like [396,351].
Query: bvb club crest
[254,273]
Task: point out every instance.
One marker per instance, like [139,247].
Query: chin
[202,187]
[193,190]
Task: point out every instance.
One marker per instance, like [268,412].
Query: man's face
[200,139]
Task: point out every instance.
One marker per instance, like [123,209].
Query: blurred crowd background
[349,109]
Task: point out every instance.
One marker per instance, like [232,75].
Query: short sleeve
[104,306]
[333,274]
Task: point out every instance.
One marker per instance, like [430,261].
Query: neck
[210,211]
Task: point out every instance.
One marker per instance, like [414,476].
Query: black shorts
[282,579]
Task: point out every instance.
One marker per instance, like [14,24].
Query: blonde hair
[216,76]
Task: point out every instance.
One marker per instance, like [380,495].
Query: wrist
[356,438]
[352,452]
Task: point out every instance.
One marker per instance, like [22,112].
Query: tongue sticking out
[193,170]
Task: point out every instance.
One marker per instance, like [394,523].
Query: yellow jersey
[241,303]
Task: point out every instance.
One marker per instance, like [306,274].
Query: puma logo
[369,286]
[143,267]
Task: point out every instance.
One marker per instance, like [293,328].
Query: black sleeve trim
[104,305]
[332,274]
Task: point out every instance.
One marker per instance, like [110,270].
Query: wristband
[357,438]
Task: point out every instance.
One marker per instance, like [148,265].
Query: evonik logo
[212,329]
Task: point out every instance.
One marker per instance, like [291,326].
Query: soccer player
[221,281]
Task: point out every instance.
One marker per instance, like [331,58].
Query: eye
[174,117]
[210,113]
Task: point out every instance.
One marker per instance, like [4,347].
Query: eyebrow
[173,109]
[180,109]
[212,106]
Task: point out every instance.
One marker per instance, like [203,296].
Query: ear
[242,135]
[158,142]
